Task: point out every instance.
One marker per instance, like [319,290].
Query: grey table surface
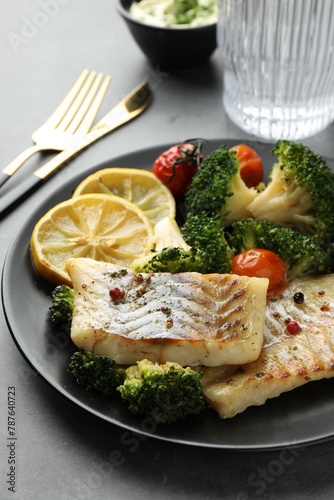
[62,452]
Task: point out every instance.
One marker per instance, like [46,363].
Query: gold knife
[128,108]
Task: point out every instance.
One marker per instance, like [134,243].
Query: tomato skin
[177,166]
[251,167]
[261,263]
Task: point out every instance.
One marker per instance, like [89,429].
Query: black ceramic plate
[300,417]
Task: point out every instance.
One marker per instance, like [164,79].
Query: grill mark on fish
[286,361]
[196,319]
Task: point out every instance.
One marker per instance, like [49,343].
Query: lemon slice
[103,227]
[141,187]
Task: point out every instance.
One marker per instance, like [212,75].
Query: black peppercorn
[298,297]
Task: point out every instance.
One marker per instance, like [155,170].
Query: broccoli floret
[208,252]
[218,189]
[301,254]
[169,249]
[96,371]
[175,260]
[168,234]
[167,392]
[62,307]
[205,233]
[300,193]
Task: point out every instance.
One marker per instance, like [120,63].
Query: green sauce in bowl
[175,13]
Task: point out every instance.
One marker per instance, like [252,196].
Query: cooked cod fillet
[188,318]
[286,361]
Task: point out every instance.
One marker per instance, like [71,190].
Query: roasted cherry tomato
[177,166]
[251,168]
[261,263]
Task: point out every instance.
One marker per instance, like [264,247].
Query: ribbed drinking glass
[278,64]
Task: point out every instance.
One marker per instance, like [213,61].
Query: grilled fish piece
[188,318]
[286,361]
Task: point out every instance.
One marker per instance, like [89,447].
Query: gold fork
[127,109]
[71,120]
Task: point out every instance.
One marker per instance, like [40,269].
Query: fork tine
[68,117]
[60,111]
[82,110]
[87,111]
[88,120]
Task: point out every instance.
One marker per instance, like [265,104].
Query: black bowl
[171,48]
